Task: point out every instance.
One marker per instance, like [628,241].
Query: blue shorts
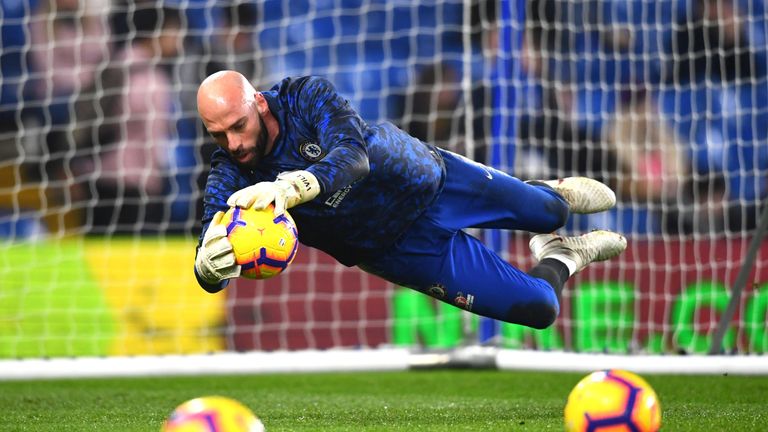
[439,259]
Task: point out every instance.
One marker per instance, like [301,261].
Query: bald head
[223,90]
[227,105]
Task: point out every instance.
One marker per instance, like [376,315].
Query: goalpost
[102,161]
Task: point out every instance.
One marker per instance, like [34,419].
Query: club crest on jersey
[311,151]
[437,291]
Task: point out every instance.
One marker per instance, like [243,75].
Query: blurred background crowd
[665,100]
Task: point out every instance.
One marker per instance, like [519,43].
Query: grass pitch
[447,400]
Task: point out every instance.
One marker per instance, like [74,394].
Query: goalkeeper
[375,197]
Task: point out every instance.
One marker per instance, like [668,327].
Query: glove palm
[215,259]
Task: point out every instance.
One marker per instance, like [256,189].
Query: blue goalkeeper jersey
[375,180]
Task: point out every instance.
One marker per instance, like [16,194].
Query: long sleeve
[337,126]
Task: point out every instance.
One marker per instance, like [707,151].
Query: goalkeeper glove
[215,259]
[290,189]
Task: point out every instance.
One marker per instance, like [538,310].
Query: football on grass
[612,400]
[264,244]
[212,414]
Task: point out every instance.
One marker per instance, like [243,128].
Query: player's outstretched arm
[215,261]
[288,190]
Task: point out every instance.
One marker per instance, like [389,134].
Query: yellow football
[264,244]
[615,401]
[212,414]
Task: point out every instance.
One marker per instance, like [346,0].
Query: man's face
[239,130]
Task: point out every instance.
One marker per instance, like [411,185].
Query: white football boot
[583,194]
[598,245]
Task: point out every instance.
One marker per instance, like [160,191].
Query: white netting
[102,159]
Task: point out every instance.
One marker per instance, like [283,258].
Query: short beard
[260,149]
[261,142]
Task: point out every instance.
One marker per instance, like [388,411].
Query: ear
[261,104]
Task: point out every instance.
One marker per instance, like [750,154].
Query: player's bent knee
[539,315]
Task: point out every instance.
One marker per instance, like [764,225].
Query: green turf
[463,400]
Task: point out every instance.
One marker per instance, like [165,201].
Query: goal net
[103,164]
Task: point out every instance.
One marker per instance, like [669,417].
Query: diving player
[374,197]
